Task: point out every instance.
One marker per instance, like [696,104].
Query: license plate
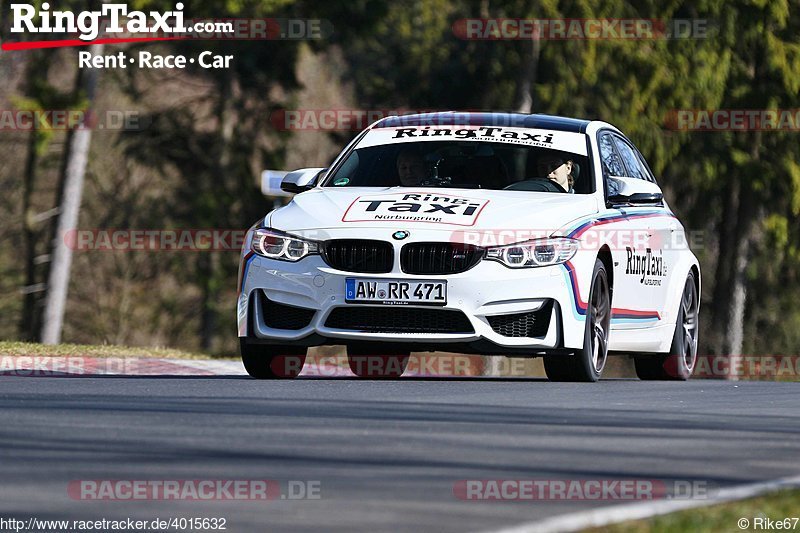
[395,292]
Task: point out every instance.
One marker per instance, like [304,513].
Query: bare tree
[76,157]
[526,79]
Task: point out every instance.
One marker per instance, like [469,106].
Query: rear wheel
[267,361]
[679,363]
[587,364]
[372,362]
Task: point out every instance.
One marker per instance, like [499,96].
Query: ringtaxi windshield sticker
[557,140]
[415,207]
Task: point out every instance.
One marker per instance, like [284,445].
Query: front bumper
[487,290]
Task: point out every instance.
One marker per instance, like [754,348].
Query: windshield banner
[556,140]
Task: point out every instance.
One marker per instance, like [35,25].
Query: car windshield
[468,161]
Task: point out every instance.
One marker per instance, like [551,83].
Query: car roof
[458,118]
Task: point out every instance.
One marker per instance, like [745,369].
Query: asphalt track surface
[386,454]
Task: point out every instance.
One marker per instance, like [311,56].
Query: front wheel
[267,361]
[679,363]
[587,364]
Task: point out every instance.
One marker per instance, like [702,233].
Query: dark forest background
[207,134]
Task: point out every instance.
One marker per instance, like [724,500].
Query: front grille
[531,324]
[399,320]
[439,257]
[359,255]
[282,316]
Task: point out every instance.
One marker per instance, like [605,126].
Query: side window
[648,173]
[634,166]
[612,165]
[347,171]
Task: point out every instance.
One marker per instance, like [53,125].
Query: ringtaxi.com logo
[116,18]
[117,23]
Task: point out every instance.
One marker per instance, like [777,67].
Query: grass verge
[775,507]
[32,349]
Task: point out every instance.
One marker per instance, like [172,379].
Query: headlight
[276,245]
[535,253]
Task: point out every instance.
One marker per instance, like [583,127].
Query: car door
[671,240]
[649,265]
[627,233]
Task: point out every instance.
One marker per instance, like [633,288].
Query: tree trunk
[722,296]
[523,101]
[27,325]
[29,321]
[76,157]
[209,265]
[740,220]
[208,313]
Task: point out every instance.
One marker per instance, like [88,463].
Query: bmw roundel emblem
[400,235]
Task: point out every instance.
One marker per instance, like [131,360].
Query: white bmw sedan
[482,233]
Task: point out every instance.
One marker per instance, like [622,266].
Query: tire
[679,363]
[372,362]
[267,361]
[587,363]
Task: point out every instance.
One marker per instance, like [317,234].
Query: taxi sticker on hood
[557,140]
[434,208]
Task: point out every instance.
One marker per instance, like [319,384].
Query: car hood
[320,212]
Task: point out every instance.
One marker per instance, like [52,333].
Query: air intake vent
[281,316]
[531,324]
[439,257]
[359,255]
[399,320]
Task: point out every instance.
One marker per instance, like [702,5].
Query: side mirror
[301,180]
[633,191]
